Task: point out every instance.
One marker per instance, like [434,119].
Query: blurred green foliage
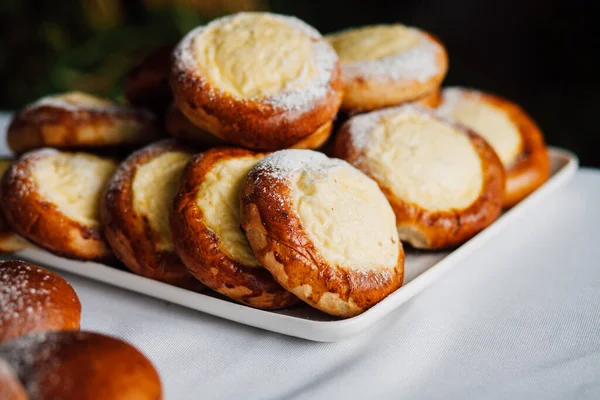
[88,45]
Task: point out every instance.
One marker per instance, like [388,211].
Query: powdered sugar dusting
[20,301]
[325,60]
[417,63]
[284,164]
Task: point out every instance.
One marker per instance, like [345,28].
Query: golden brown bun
[31,214]
[132,238]
[532,167]
[69,121]
[33,299]
[10,242]
[431,100]
[181,128]
[201,248]
[147,83]
[255,123]
[283,244]
[81,365]
[436,229]
[10,386]
[374,84]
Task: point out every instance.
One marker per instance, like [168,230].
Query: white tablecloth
[518,319]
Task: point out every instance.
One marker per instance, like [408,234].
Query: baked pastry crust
[422,227]
[35,217]
[81,365]
[431,100]
[202,250]
[130,234]
[531,168]
[10,242]
[147,83]
[180,127]
[76,120]
[393,79]
[282,243]
[268,123]
[34,299]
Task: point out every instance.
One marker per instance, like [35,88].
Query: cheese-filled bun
[387,65]
[10,242]
[78,121]
[509,130]
[323,229]
[258,80]
[135,212]
[444,182]
[205,222]
[52,198]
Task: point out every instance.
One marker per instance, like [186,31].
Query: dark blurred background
[539,53]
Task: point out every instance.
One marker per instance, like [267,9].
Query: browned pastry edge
[362,93]
[49,126]
[447,228]
[180,127]
[130,234]
[81,365]
[248,122]
[532,167]
[45,301]
[147,83]
[199,247]
[10,242]
[281,243]
[41,222]
[431,100]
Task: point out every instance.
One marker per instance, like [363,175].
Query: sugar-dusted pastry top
[491,122]
[219,200]
[418,157]
[386,51]
[373,42]
[154,186]
[260,56]
[344,212]
[73,182]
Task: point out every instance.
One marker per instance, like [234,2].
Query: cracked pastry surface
[267,74]
[386,65]
[52,198]
[323,229]
[76,120]
[135,212]
[444,182]
[205,222]
[509,130]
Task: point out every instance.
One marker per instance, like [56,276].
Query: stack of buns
[253,197]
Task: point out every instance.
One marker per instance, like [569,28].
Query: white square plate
[421,269]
